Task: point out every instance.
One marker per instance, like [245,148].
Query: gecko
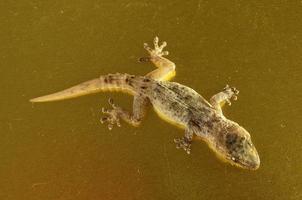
[176,103]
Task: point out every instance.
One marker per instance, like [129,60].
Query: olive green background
[61,151]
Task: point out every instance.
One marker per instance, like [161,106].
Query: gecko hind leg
[219,99]
[114,115]
[186,141]
[165,68]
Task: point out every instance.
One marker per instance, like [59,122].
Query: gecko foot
[232,93]
[183,143]
[158,49]
[112,115]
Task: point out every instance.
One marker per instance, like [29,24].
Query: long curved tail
[110,82]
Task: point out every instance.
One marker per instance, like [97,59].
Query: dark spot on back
[159,85]
[209,123]
[157,90]
[143,87]
[146,80]
[194,122]
[188,97]
[174,106]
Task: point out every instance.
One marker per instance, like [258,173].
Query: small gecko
[175,103]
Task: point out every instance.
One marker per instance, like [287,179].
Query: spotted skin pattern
[175,103]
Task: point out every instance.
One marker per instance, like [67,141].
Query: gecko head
[236,147]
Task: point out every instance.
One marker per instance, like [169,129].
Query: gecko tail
[111,82]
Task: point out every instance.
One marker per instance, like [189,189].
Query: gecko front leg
[185,142]
[114,115]
[225,96]
[165,68]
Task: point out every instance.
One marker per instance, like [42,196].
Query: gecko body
[177,103]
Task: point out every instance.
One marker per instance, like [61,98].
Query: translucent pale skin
[175,103]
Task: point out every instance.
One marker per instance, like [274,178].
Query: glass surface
[60,150]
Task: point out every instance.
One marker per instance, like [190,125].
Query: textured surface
[60,151]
